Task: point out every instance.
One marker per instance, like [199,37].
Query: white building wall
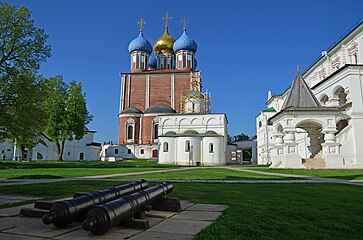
[198,126]
[48,149]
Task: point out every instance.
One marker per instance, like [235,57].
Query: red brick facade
[146,89]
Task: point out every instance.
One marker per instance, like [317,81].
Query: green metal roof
[271,109]
[195,94]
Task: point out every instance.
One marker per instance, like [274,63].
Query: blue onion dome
[140,44]
[184,42]
[152,62]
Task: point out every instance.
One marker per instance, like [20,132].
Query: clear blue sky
[245,48]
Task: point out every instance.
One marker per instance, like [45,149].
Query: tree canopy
[22,49]
[67,114]
[23,45]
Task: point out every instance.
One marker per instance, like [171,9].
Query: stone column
[333,102]
[331,150]
[290,157]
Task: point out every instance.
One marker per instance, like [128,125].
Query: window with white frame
[187,146]
[130,132]
[166,147]
[211,148]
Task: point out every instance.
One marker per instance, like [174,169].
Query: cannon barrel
[65,212]
[102,218]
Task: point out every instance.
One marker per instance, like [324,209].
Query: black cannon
[65,212]
[102,218]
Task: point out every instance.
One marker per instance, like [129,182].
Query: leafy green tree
[22,43]
[67,113]
[241,137]
[22,49]
[26,117]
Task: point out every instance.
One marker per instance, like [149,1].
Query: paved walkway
[312,178]
[184,225]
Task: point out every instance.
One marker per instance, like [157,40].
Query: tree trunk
[59,150]
[22,149]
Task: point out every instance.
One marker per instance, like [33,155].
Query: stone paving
[165,225]
[5,199]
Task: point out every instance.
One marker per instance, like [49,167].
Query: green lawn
[205,174]
[350,174]
[257,211]
[55,169]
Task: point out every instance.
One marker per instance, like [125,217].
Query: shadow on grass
[258,178]
[133,163]
[348,177]
[36,176]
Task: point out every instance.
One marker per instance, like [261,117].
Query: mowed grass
[55,169]
[347,174]
[256,211]
[205,174]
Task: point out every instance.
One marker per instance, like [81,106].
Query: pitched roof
[300,95]
[270,109]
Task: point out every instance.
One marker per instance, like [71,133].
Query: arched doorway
[311,135]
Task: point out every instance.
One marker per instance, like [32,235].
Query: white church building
[318,121]
[83,149]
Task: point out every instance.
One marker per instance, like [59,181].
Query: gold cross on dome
[184,21]
[167,18]
[141,23]
[297,70]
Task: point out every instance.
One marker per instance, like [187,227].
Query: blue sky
[245,48]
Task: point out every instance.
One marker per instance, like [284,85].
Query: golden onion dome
[165,43]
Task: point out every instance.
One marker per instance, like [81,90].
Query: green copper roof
[271,109]
[195,94]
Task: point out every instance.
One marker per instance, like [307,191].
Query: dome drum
[185,60]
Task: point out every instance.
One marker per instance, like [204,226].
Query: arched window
[130,132]
[259,124]
[39,155]
[323,100]
[142,151]
[155,131]
[81,156]
[211,148]
[187,146]
[166,147]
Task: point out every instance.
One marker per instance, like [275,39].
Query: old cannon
[65,212]
[102,218]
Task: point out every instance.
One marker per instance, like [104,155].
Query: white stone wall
[48,151]
[199,140]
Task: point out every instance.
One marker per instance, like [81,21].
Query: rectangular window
[128,151]
[116,151]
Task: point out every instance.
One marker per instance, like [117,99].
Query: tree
[67,112]
[22,50]
[241,137]
[22,43]
[26,117]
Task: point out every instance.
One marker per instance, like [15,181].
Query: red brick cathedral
[160,81]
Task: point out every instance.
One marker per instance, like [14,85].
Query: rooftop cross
[141,23]
[184,21]
[297,70]
[167,18]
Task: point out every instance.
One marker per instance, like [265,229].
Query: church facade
[83,149]
[318,121]
[162,96]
